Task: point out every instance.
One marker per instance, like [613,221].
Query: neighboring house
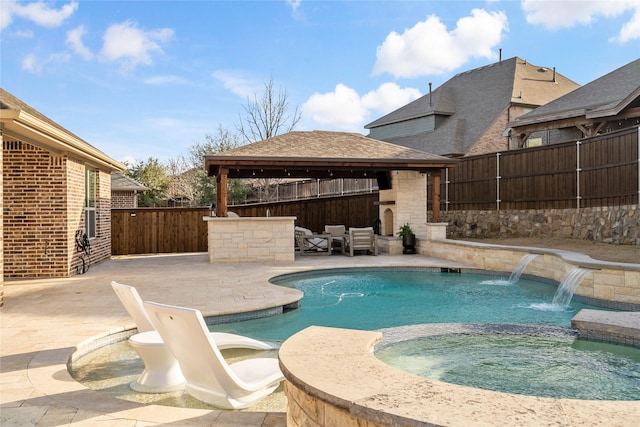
[180,191]
[54,185]
[609,103]
[469,113]
[124,191]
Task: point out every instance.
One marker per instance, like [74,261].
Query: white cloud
[631,29]
[74,39]
[294,4]
[126,43]
[165,80]
[34,65]
[296,10]
[238,83]
[39,12]
[557,15]
[430,48]
[30,64]
[344,109]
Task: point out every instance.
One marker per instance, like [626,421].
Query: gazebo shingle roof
[329,145]
[321,154]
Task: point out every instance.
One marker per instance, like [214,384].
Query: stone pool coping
[334,379]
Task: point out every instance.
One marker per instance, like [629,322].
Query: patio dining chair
[309,243]
[360,239]
[337,235]
[209,377]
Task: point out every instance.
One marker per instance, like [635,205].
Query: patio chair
[360,239]
[309,243]
[337,236]
[209,377]
[161,370]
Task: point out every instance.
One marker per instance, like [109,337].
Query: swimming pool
[370,299]
[544,361]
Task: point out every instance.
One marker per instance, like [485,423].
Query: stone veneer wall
[407,199]
[609,224]
[304,409]
[250,239]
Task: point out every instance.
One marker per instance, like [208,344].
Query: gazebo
[401,171]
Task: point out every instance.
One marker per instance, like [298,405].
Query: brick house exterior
[124,191]
[45,176]
[469,114]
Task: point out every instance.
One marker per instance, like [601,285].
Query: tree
[265,117]
[151,174]
[205,186]
[268,116]
[181,180]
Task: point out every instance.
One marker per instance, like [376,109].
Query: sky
[140,79]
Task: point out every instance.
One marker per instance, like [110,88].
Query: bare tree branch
[268,115]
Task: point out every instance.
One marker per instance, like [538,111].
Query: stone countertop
[337,366]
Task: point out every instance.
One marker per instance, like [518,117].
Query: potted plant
[408,239]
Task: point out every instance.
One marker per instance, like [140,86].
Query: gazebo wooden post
[436,194]
[221,192]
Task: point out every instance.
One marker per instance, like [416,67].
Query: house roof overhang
[26,127]
[320,154]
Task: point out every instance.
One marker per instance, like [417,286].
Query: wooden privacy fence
[158,230]
[177,230]
[601,171]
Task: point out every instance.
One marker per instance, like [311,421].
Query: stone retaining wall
[611,224]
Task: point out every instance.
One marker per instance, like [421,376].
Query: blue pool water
[376,298]
[546,366]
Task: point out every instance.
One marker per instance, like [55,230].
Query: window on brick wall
[91,193]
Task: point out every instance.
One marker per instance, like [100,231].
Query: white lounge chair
[209,377]
[161,370]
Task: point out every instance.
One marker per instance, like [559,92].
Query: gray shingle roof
[121,182]
[604,96]
[321,154]
[328,145]
[472,100]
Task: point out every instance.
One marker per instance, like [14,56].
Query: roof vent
[542,70]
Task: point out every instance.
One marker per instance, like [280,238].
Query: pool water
[375,298]
[546,366]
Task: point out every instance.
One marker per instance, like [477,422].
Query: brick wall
[1,225]
[35,212]
[43,208]
[124,200]
[492,141]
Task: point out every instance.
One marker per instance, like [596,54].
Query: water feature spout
[517,272]
[569,285]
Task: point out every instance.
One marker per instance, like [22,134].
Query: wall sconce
[212,209]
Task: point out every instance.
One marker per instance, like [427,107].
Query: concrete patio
[44,320]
